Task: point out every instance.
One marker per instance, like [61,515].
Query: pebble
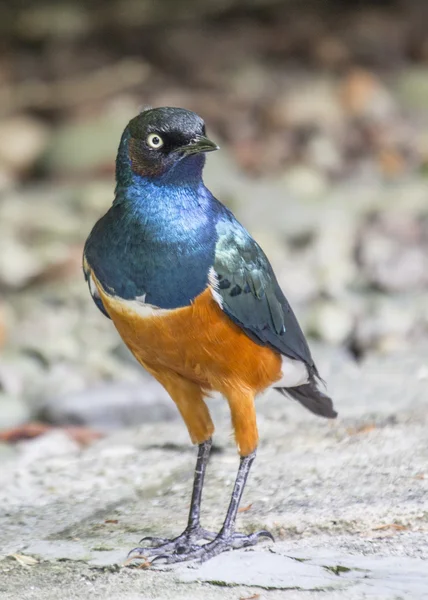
[363,95]
[331,321]
[112,406]
[394,252]
[307,103]
[334,250]
[306,182]
[411,87]
[18,263]
[13,411]
[23,140]
[88,145]
[51,444]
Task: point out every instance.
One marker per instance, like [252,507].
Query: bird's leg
[227,538]
[193,524]
[187,540]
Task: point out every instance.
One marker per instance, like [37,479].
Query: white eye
[154,140]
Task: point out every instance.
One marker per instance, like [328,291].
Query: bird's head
[164,143]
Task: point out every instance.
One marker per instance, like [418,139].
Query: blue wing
[251,296]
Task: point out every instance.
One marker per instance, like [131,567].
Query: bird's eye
[154,140]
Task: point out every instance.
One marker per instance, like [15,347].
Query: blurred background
[321,112]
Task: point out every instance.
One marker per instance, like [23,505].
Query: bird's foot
[222,543]
[186,542]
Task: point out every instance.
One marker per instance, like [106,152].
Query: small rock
[20,375]
[305,182]
[11,378]
[324,154]
[59,379]
[412,88]
[112,406]
[334,250]
[364,95]
[58,550]
[308,103]
[13,411]
[7,452]
[87,145]
[262,569]
[331,321]
[7,179]
[66,20]
[295,274]
[22,142]
[331,52]
[394,252]
[53,443]
[2,326]
[18,263]
[389,321]
[247,81]
[225,179]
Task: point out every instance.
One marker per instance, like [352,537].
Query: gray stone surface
[347,501]
[13,411]
[113,405]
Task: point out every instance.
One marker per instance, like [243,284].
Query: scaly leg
[227,539]
[186,541]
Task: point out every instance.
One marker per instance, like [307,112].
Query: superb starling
[195,299]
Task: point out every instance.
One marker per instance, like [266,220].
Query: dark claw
[153,540]
[160,557]
[222,543]
[139,552]
[265,533]
[185,543]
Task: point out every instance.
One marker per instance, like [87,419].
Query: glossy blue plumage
[164,233]
[166,242]
[158,239]
[166,239]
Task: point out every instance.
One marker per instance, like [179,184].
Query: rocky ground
[346,501]
[322,117]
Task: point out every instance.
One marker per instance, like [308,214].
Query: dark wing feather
[93,291]
[251,296]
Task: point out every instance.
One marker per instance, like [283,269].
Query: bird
[195,299]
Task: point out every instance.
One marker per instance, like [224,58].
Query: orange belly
[200,342]
[196,349]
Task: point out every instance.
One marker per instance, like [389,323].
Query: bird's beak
[199,144]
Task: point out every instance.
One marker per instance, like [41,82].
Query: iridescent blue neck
[181,184]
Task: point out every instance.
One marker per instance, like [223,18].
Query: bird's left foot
[186,542]
[222,543]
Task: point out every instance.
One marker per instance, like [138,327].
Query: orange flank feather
[194,350]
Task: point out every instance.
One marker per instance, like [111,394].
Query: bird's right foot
[222,543]
[184,543]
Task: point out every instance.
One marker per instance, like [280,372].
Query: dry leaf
[253,597]
[245,508]
[25,561]
[129,560]
[395,526]
[359,90]
[361,429]
[81,435]
[391,162]
[24,432]
[113,521]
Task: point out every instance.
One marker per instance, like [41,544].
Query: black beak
[199,144]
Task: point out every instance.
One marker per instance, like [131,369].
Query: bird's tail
[311,397]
